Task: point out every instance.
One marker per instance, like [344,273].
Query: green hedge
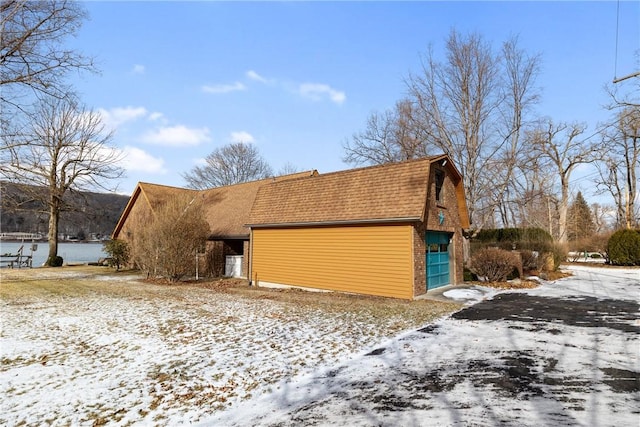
[623,247]
[513,235]
[520,239]
[531,239]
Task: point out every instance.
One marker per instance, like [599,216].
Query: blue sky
[297,79]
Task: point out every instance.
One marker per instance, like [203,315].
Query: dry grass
[523,284]
[179,351]
[417,312]
[73,281]
[393,315]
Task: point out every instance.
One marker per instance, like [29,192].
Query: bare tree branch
[560,144]
[62,147]
[231,164]
[31,46]
[620,165]
[473,106]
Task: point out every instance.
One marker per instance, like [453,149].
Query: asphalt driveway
[566,353]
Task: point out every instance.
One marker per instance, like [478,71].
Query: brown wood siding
[373,260]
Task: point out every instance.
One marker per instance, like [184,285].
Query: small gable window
[439,184]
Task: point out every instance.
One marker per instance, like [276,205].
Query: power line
[615,61]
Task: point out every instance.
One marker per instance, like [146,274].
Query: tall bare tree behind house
[231,164]
[473,105]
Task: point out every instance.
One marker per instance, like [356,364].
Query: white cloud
[224,88]
[117,116]
[138,69]
[242,136]
[156,116]
[319,91]
[177,136]
[255,76]
[135,159]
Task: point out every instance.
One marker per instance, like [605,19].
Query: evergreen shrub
[532,243]
[623,247]
[56,261]
[118,251]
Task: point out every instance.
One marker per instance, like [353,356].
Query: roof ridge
[270,178]
[141,183]
[382,165]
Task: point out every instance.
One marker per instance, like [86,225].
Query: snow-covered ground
[122,352]
[566,353]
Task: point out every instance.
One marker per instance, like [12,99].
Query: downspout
[250,254]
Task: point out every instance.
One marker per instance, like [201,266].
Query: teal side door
[437,259]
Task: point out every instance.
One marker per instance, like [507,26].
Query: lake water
[70,252]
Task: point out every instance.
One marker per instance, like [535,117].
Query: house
[393,230]
[226,210]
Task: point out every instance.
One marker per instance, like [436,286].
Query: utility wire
[615,61]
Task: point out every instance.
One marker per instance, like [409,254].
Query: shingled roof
[153,195]
[226,208]
[390,192]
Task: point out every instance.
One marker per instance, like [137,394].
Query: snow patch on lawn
[527,371]
[160,355]
[175,356]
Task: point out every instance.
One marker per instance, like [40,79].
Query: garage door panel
[372,260]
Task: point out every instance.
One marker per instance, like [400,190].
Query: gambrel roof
[396,192]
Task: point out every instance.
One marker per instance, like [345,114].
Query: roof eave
[337,222]
[126,211]
[228,237]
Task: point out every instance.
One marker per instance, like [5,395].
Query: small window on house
[439,184]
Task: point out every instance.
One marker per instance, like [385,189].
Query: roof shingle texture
[226,208]
[385,192]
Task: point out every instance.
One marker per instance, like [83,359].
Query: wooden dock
[17,260]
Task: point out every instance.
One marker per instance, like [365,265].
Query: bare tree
[472,106]
[388,137]
[525,201]
[456,100]
[287,169]
[32,54]
[511,164]
[62,147]
[561,146]
[231,164]
[168,239]
[600,215]
[619,167]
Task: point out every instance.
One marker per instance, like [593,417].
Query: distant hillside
[87,215]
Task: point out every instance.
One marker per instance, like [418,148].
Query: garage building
[392,230]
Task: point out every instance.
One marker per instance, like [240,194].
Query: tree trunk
[564,208]
[54,214]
